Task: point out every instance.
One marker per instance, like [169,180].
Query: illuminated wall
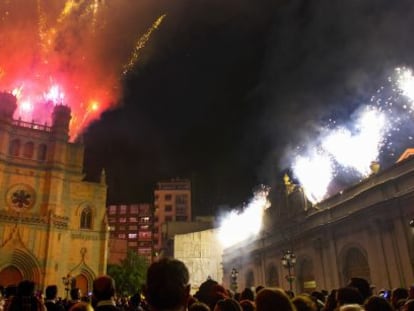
[52,222]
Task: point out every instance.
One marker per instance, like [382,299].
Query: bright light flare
[358,148]
[54,94]
[26,107]
[236,227]
[405,81]
[314,172]
[94,105]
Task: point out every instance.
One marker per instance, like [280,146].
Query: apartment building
[172,203]
[133,223]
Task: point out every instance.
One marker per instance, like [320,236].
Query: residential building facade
[172,202]
[133,223]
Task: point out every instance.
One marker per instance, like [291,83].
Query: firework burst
[374,129]
[66,47]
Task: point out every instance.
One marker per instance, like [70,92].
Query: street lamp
[289,261]
[234,275]
[67,280]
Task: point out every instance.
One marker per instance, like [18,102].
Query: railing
[32,125]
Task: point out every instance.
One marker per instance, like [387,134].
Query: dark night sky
[224,89]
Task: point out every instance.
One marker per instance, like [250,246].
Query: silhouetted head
[167,286]
[268,298]
[103,288]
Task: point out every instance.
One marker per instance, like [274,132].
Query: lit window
[112,209]
[133,219]
[122,219]
[86,218]
[132,235]
[144,235]
[122,209]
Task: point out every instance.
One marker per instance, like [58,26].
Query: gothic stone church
[53,226]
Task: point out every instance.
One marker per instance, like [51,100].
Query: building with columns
[362,231]
[52,223]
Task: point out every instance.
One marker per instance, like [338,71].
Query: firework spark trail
[236,227]
[44,34]
[142,41]
[351,149]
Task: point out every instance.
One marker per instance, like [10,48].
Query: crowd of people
[168,288]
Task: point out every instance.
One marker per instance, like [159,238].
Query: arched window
[28,150]
[41,152]
[356,265]
[14,149]
[86,218]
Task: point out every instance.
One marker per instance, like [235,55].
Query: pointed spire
[103,177]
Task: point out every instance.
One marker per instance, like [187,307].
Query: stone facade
[202,254]
[362,231]
[52,223]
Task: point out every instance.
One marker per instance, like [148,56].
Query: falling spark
[70,6]
[142,41]
[238,226]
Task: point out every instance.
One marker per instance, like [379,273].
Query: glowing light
[94,105]
[54,94]
[314,172]
[141,44]
[17,92]
[358,148]
[26,107]
[70,6]
[238,226]
[405,81]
